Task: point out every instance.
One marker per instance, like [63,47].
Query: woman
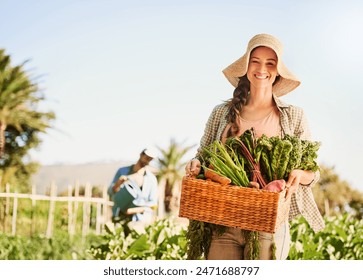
[260,78]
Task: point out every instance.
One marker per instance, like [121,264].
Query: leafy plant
[342,239]
[166,240]
[162,240]
[59,247]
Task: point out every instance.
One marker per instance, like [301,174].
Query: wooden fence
[74,201]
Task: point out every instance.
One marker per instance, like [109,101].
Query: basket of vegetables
[242,182]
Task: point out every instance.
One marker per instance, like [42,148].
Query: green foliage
[171,170]
[342,239]
[334,196]
[59,247]
[21,121]
[199,238]
[226,162]
[162,240]
[171,163]
[276,157]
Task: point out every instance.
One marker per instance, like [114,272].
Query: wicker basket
[233,206]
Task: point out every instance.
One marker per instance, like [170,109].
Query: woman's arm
[212,126]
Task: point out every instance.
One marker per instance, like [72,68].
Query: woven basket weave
[233,206]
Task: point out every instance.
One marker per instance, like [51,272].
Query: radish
[276,186]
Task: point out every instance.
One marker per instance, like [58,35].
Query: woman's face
[262,67]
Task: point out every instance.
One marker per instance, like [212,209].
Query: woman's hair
[235,104]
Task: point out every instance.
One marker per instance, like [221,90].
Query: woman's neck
[260,98]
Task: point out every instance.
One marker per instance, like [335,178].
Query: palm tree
[19,97]
[171,170]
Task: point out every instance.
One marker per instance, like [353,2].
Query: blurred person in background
[134,191]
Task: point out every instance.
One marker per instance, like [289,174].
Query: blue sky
[121,75]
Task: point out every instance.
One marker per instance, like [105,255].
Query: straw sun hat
[237,69]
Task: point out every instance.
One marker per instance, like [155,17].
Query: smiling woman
[260,78]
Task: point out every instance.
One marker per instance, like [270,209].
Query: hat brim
[287,82]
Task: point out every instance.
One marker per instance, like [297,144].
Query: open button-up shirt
[293,122]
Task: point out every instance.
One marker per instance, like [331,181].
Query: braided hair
[235,104]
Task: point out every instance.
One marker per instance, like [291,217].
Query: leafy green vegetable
[226,162]
[273,156]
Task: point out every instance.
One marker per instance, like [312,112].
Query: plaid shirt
[293,122]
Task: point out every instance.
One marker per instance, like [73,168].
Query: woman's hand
[298,177]
[193,167]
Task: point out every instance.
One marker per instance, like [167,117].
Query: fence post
[99,218]
[100,205]
[7,207]
[15,209]
[70,212]
[86,209]
[33,220]
[105,207]
[75,209]
[53,193]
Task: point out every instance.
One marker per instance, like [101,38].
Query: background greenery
[165,240]
[342,239]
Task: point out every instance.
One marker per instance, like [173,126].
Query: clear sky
[121,75]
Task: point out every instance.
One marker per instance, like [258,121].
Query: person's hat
[287,81]
[150,152]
